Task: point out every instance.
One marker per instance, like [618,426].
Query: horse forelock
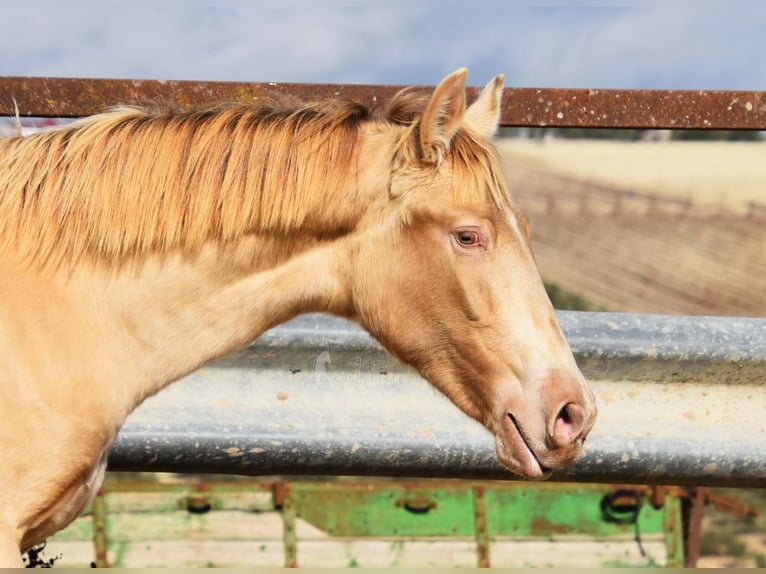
[477,174]
[476,171]
[133,181]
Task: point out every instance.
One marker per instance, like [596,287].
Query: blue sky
[670,44]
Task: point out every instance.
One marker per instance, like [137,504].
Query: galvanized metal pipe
[682,401]
[531,107]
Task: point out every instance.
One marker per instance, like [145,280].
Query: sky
[661,44]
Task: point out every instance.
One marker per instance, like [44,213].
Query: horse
[138,244]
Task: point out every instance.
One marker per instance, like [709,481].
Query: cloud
[291,40]
[671,45]
[649,44]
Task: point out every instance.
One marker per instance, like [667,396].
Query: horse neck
[175,312]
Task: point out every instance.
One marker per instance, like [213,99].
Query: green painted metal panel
[388,510]
[512,510]
[551,510]
[141,524]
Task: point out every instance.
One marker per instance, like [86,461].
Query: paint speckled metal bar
[682,401]
[532,107]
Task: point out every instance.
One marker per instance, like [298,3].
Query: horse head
[445,278]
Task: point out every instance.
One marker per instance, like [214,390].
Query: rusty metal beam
[530,107]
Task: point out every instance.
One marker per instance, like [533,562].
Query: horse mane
[134,181]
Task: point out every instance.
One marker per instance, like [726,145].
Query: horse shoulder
[53,432]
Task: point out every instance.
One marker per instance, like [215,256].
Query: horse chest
[68,506]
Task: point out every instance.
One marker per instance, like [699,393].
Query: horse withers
[136,246]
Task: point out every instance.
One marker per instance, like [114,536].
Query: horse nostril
[565,414]
[568,426]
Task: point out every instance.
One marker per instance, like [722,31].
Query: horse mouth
[516,454]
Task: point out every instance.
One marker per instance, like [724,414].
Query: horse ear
[483,116]
[443,116]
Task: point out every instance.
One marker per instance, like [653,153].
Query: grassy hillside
[621,248]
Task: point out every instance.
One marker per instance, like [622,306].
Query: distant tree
[717,135]
[562,298]
[631,134]
[600,133]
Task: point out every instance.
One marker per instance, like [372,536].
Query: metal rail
[533,107]
[682,401]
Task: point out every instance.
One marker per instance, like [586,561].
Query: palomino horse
[136,246]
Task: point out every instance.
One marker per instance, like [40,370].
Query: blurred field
[648,227]
[709,172]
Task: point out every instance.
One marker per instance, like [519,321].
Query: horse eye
[467,238]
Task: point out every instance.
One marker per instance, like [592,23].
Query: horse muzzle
[536,437]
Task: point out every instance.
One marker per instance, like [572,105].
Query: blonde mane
[131,181]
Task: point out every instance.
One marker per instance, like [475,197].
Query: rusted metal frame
[100,534]
[184,487]
[675,541]
[199,501]
[693,511]
[524,107]
[694,501]
[283,500]
[669,499]
[480,524]
[688,523]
